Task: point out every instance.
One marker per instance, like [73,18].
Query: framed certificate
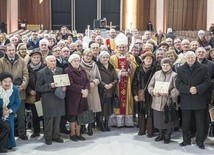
[61,80]
[162,87]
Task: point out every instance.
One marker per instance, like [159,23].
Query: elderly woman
[10,103]
[106,87]
[172,55]
[94,77]
[78,92]
[160,99]
[141,79]
[22,52]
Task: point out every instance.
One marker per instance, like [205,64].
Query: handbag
[31,99]
[141,92]
[85,117]
[170,113]
[211,131]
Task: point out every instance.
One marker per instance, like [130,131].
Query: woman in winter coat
[10,103]
[76,95]
[106,87]
[94,77]
[142,77]
[160,99]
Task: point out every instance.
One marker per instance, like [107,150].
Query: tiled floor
[123,141]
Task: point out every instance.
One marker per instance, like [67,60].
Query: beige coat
[93,98]
[18,69]
[158,103]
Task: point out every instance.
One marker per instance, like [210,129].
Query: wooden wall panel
[185,14]
[3,10]
[35,12]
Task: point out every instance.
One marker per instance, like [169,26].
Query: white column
[12,15]
[159,15]
[121,14]
[99,9]
[210,14]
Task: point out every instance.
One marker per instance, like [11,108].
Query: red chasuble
[123,63]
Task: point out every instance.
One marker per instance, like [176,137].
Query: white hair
[43,41]
[189,53]
[169,30]
[50,57]
[73,56]
[104,53]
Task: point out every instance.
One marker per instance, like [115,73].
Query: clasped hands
[193,90]
[158,94]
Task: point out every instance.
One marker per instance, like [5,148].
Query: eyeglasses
[79,45]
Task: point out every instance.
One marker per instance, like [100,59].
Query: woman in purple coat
[76,95]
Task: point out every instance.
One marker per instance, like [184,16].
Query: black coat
[140,79]
[32,80]
[199,78]
[51,104]
[107,76]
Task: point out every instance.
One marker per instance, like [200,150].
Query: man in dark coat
[193,81]
[201,58]
[53,107]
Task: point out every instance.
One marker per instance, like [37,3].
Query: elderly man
[95,51]
[110,43]
[43,47]
[125,66]
[193,81]
[16,66]
[201,58]
[53,106]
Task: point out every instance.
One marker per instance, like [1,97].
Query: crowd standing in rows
[101,71]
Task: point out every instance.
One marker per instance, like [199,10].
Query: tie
[11,61]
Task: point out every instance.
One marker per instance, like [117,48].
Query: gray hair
[189,53]
[103,53]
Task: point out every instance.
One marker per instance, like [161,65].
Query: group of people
[102,71]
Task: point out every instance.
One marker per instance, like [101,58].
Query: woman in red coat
[76,95]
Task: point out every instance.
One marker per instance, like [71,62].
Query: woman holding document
[163,91]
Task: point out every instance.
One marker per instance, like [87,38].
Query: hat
[20,45]
[59,93]
[121,39]
[35,51]
[147,54]
[163,43]
[4,75]
[72,57]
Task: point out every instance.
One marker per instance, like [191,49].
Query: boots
[82,129]
[149,124]
[141,125]
[106,124]
[78,135]
[73,134]
[101,124]
[168,136]
[90,131]
[160,137]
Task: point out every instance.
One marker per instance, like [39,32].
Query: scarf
[88,65]
[146,68]
[35,67]
[5,95]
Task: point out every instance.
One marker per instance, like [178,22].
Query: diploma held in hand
[162,87]
[61,80]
